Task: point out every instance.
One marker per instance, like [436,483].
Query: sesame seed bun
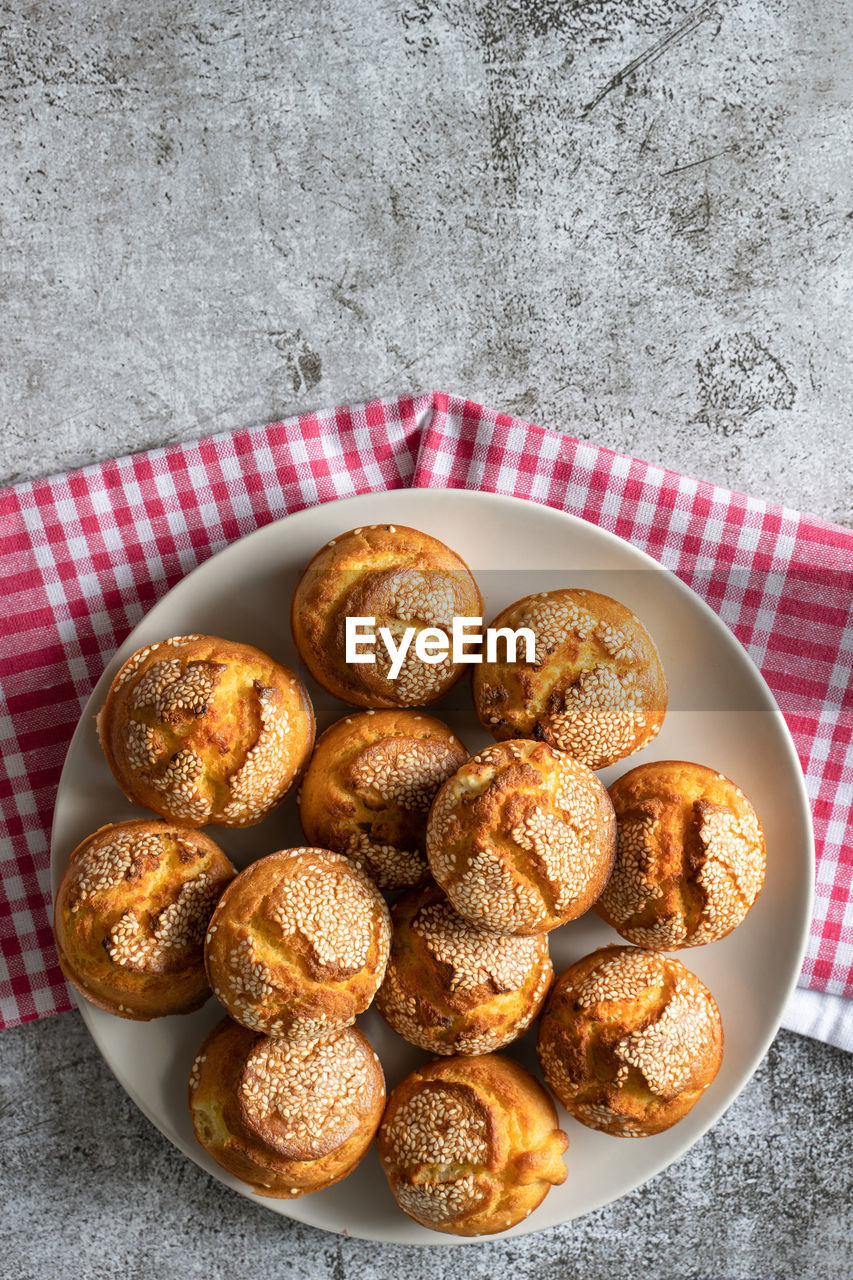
[629,1041]
[521,838]
[400,577]
[470,1146]
[131,913]
[369,786]
[285,1118]
[454,987]
[690,856]
[298,944]
[597,689]
[204,730]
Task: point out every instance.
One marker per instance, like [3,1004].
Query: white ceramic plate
[721,714]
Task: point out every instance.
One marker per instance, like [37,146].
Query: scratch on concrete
[651,55]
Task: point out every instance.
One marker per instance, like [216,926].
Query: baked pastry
[285,1118]
[298,943]
[369,786]
[206,730]
[454,987]
[629,1041]
[403,579]
[596,690]
[131,913]
[521,838]
[690,856]
[470,1146]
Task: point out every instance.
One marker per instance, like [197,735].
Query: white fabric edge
[823,1017]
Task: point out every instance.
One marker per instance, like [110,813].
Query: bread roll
[690,856]
[206,730]
[470,1146]
[131,913]
[521,838]
[298,944]
[285,1118]
[400,577]
[629,1041]
[597,689]
[454,987]
[369,786]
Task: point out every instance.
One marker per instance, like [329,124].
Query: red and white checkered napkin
[86,554]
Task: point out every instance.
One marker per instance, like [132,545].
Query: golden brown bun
[286,1118]
[130,917]
[369,786]
[521,838]
[453,987]
[690,856]
[597,689]
[298,944]
[470,1146]
[400,577]
[629,1041]
[206,730]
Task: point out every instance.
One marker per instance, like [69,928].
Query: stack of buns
[493,851]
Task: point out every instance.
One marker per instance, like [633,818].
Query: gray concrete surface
[219,213]
[625,219]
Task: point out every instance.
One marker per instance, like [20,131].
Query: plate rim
[710,617]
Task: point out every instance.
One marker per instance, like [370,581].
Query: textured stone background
[218,213]
[625,219]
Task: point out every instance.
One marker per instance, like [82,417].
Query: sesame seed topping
[143,745]
[666,1051]
[402,771]
[266,773]
[476,955]
[438,1201]
[441,1125]
[333,914]
[315,1093]
[102,866]
[174,693]
[623,976]
[177,929]
[732,873]
[599,717]
[387,865]
[179,783]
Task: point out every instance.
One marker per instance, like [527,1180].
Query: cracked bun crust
[298,944]
[206,730]
[398,576]
[521,838]
[597,689]
[130,916]
[369,786]
[629,1041]
[470,1146]
[453,987]
[285,1118]
[690,856]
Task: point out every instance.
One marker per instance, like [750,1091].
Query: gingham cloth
[85,555]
